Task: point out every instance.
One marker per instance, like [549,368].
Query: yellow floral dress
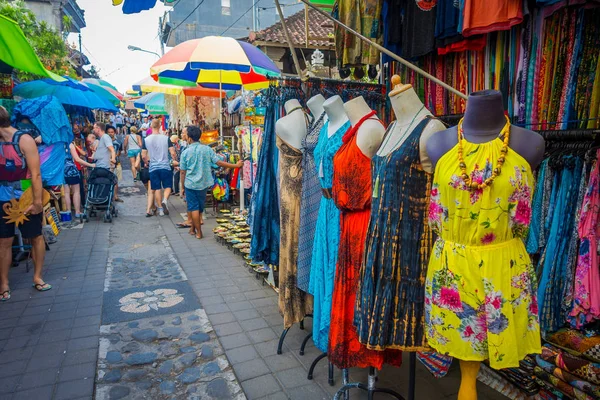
[480,296]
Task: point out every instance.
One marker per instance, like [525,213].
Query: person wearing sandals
[133,144]
[73,180]
[19,162]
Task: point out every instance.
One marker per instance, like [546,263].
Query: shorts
[120,125]
[161,179]
[195,199]
[73,180]
[29,229]
[133,153]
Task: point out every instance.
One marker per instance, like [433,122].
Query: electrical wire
[193,11]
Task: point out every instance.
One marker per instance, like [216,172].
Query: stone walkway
[140,309]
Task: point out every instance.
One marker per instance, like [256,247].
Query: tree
[47,43]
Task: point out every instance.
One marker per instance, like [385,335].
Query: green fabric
[16,51]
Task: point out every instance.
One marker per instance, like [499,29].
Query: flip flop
[182,225]
[42,287]
[148,215]
[3,294]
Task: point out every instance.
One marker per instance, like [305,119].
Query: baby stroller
[101,185]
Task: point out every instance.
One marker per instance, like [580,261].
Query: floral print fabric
[480,296]
[586,294]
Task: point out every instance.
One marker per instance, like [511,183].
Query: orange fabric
[483,16]
[352,195]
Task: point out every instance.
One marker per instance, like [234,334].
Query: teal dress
[327,237]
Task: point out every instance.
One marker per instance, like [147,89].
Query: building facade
[53,12]
[193,19]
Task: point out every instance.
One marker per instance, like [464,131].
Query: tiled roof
[318,27]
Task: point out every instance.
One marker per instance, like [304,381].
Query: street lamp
[135,48]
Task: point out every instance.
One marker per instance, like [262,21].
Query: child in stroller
[101,184]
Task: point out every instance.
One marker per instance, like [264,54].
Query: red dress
[352,195]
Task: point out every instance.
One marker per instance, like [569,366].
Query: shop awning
[16,51]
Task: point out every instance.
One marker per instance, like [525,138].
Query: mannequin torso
[409,111]
[293,127]
[484,119]
[334,107]
[315,105]
[371,132]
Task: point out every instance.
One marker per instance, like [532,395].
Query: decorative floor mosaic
[150,301]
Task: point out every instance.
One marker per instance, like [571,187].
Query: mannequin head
[405,101]
[315,105]
[291,104]
[356,109]
[484,114]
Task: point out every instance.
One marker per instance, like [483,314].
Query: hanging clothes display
[389,300]
[362,16]
[586,297]
[490,15]
[327,235]
[480,279]
[250,146]
[351,189]
[309,205]
[294,304]
[264,245]
[418,27]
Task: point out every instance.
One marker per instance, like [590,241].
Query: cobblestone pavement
[140,309]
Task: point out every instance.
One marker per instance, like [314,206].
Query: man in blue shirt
[195,165]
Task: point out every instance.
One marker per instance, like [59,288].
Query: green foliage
[47,43]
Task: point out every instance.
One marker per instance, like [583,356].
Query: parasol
[154,103]
[69,92]
[104,90]
[215,62]
[136,6]
[149,85]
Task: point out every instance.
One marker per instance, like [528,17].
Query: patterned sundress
[480,292]
[294,304]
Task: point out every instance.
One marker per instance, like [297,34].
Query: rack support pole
[289,39]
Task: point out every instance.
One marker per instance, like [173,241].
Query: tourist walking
[104,151]
[19,149]
[155,151]
[133,145]
[117,170]
[196,163]
[73,178]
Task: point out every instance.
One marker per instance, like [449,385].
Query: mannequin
[484,118]
[315,105]
[293,127]
[407,106]
[370,134]
[483,121]
[334,107]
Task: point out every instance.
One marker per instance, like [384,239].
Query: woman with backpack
[133,143]
[73,166]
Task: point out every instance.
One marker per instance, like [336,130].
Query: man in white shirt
[144,127]
[105,152]
[155,151]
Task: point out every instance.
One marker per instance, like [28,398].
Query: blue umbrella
[152,102]
[48,116]
[69,92]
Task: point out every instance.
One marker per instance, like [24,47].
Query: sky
[109,32]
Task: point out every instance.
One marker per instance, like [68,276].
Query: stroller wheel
[107,217]
[93,214]
[115,213]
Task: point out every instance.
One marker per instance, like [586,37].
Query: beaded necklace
[505,133]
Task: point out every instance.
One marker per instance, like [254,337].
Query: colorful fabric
[436,363]
[294,304]
[389,309]
[352,195]
[491,15]
[48,116]
[584,369]
[327,237]
[576,382]
[562,386]
[309,205]
[586,301]
[577,343]
[480,293]
[362,16]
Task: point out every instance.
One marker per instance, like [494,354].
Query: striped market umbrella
[149,85]
[104,89]
[215,62]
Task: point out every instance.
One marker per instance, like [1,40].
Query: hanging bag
[71,170]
